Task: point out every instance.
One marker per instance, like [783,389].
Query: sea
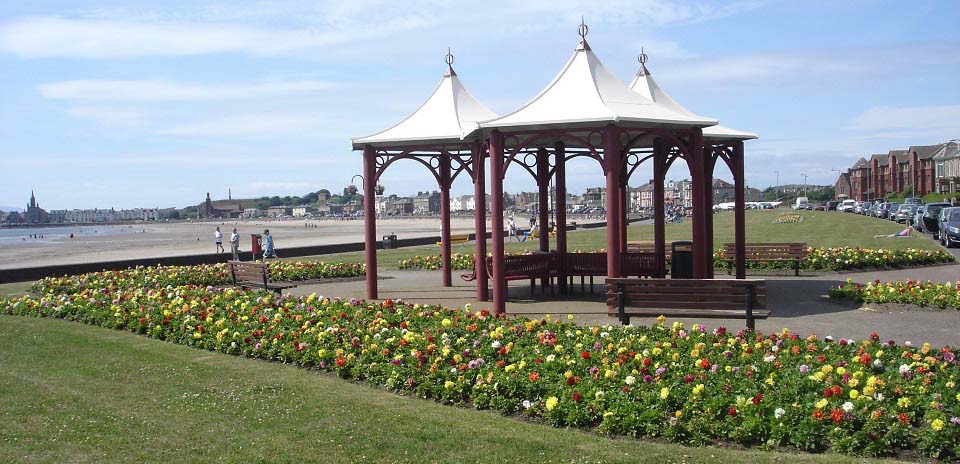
[14,235]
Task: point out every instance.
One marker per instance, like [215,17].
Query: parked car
[880,210]
[892,209]
[832,205]
[949,226]
[931,217]
[802,203]
[917,221]
[905,213]
[862,207]
[913,201]
[820,208]
[846,206]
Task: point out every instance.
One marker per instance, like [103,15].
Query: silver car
[918,217]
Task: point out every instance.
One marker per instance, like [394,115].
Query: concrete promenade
[798,303]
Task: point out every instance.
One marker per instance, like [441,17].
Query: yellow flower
[698,389]
[821,404]
[903,402]
[446,322]
[448,385]
[854,394]
[664,393]
[552,403]
[937,425]
[679,413]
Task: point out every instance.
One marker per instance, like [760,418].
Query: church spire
[33,200]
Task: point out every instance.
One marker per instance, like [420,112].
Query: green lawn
[75,393]
[819,228]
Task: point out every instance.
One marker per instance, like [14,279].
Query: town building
[947,166]
[426,203]
[221,209]
[34,214]
[912,170]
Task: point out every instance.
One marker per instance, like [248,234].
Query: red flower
[837,391]
[732,411]
[341,361]
[836,415]
[757,399]
[875,337]
[903,418]
[827,392]
[571,381]
[705,363]
[534,376]
[818,414]
[577,396]
[585,355]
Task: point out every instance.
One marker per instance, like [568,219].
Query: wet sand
[153,240]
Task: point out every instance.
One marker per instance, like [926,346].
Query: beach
[98,243]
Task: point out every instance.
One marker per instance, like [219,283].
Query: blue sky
[126,104]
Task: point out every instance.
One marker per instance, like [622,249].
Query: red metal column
[708,211]
[543,197]
[480,221]
[659,229]
[695,148]
[739,219]
[370,220]
[560,174]
[445,219]
[611,160]
[496,219]
[624,204]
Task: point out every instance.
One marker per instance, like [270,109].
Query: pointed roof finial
[582,31]
[642,58]
[449,60]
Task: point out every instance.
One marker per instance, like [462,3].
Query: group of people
[266,244]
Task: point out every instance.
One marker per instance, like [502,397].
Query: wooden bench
[710,298]
[254,275]
[583,265]
[795,252]
[458,238]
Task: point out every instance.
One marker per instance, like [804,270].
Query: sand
[153,240]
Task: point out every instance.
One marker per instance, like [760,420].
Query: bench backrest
[460,237]
[249,272]
[771,251]
[646,247]
[687,293]
[639,263]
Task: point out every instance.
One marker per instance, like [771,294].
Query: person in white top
[235,244]
[218,237]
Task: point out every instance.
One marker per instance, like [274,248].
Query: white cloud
[254,30]
[242,125]
[888,121]
[163,90]
[108,116]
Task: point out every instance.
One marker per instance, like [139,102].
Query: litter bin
[389,241]
[681,263]
[256,245]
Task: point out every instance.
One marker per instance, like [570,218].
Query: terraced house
[896,171]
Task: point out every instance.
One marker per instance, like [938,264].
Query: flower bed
[938,295]
[818,259]
[205,274]
[690,385]
[788,218]
[458,261]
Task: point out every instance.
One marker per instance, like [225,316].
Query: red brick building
[892,172]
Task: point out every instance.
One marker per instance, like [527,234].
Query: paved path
[798,303]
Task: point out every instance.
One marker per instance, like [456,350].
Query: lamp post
[804,175]
[778,181]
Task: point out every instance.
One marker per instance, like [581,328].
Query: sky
[143,104]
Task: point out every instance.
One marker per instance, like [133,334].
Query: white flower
[904,369]
[769,358]
[598,395]
[551,358]
[778,413]
[495,345]
[908,343]
[630,380]
[847,407]
[526,404]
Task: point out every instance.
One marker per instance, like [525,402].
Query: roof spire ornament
[642,58]
[449,60]
[583,30]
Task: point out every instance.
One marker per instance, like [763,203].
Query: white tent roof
[449,115]
[585,92]
[644,85]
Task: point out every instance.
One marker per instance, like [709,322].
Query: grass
[14,289]
[70,392]
[818,229]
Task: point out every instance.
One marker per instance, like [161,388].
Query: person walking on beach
[512,227]
[218,238]
[235,244]
[268,250]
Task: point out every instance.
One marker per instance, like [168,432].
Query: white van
[802,203]
[847,206]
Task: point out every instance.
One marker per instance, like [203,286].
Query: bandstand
[585,111]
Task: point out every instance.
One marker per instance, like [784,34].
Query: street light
[778,181]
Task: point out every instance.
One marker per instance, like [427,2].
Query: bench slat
[732,314]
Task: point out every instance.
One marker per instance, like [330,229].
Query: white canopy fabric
[585,92]
[448,116]
[645,86]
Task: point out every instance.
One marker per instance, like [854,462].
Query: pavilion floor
[798,303]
